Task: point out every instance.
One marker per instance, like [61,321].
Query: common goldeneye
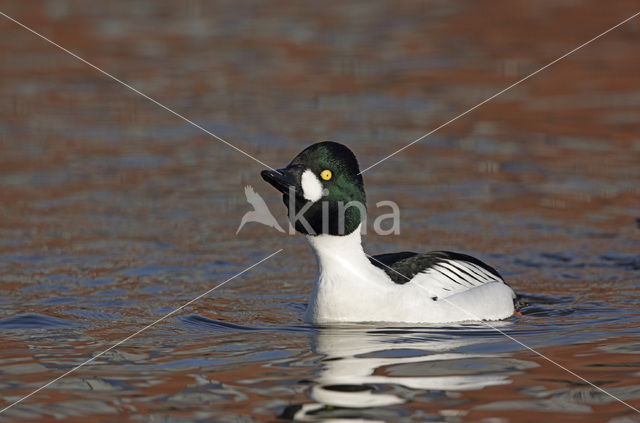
[324,193]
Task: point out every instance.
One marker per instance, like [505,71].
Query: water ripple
[35,321]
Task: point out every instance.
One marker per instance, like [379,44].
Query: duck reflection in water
[365,369]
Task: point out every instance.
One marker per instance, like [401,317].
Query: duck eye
[326,174]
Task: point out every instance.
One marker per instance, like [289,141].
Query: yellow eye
[325,174]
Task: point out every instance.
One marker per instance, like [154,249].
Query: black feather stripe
[486,275]
[448,265]
[481,274]
[464,270]
[436,268]
[404,266]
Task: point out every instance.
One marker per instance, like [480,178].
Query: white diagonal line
[137,332]
[474,317]
[501,92]
[135,90]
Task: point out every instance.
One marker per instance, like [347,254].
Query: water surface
[114,212]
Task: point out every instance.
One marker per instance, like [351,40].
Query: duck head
[322,189]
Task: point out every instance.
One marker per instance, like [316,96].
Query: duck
[323,191]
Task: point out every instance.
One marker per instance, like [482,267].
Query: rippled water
[114,212]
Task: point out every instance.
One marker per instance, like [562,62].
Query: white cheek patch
[311,186]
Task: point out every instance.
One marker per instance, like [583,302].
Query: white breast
[347,286]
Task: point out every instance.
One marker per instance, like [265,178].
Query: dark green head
[322,189]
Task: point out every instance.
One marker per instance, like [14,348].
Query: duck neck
[340,256]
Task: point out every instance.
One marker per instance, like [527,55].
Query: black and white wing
[440,273]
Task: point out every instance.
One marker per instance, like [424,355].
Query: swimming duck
[324,193]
